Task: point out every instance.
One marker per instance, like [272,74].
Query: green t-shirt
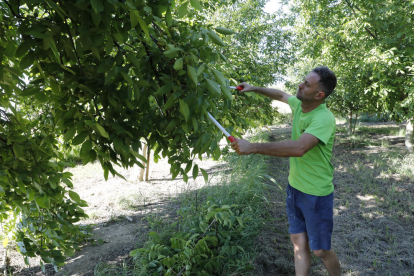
[313,172]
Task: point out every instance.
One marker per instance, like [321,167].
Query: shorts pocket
[290,199]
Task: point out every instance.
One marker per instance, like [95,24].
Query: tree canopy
[107,75]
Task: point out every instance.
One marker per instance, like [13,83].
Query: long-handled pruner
[231,138]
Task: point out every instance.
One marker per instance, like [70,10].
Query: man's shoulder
[293,102]
[325,113]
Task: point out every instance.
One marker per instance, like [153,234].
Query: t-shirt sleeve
[293,103]
[322,127]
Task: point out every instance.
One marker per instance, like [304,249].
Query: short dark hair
[327,79]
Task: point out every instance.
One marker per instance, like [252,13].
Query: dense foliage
[368,44]
[104,76]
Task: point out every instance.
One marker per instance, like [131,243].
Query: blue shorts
[311,214]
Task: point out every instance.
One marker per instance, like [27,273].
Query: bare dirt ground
[373,215]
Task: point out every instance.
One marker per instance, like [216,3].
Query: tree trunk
[356,119]
[141,175]
[350,123]
[148,163]
[409,139]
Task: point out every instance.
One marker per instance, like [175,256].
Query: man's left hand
[242,147]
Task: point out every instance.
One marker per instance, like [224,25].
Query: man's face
[309,88]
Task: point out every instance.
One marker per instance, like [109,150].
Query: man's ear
[320,95]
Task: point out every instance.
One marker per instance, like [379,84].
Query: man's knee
[299,239]
[320,253]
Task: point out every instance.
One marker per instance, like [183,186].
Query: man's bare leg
[330,260]
[302,253]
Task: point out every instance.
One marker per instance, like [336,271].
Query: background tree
[368,40]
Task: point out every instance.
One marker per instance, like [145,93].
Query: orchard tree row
[369,45]
[106,75]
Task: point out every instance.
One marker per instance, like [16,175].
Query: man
[309,202]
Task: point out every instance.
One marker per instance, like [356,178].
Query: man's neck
[309,106]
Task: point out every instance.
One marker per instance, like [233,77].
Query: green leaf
[23,48]
[70,114]
[164,89]
[86,146]
[96,18]
[46,201]
[127,78]
[74,196]
[172,53]
[182,10]
[40,202]
[18,150]
[137,155]
[119,37]
[193,74]
[220,78]
[224,31]
[134,18]
[80,138]
[67,182]
[213,87]
[109,44]
[215,38]
[97,5]
[195,171]
[195,123]
[102,131]
[178,65]
[168,17]
[69,134]
[226,93]
[143,25]
[41,97]
[184,109]
[69,252]
[133,60]
[201,69]
[27,60]
[205,175]
[30,194]
[30,91]
[21,186]
[170,102]
[196,5]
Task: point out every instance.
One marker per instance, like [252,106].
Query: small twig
[374,36]
[74,48]
[11,9]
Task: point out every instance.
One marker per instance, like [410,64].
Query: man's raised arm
[272,93]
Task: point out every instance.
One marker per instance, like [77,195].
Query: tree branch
[353,11]
[339,45]
[156,75]
[374,36]
[11,9]
[74,49]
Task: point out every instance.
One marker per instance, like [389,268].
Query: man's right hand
[272,93]
[246,87]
